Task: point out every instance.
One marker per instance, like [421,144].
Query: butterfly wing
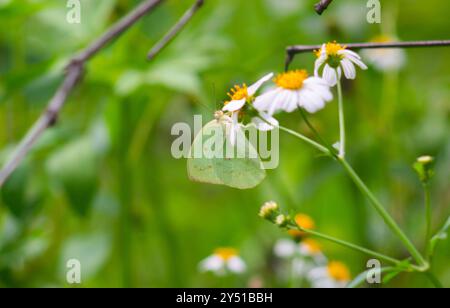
[209,162]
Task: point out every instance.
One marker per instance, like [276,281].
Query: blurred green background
[103,187]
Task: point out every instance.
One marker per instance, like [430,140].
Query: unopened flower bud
[268,210]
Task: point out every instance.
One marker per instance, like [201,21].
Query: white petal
[329,74]
[320,86]
[357,62]
[262,124]
[263,102]
[325,283]
[291,102]
[276,105]
[300,267]
[315,81]
[285,248]
[318,64]
[213,263]
[254,87]
[311,101]
[234,105]
[347,52]
[236,265]
[349,69]
[318,273]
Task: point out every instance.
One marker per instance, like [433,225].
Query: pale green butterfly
[212,159]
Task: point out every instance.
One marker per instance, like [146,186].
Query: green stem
[341,121]
[428,214]
[351,246]
[314,131]
[384,214]
[433,279]
[306,139]
[298,135]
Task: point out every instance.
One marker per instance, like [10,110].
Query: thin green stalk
[306,139]
[341,121]
[298,135]
[428,214]
[351,246]
[433,279]
[314,131]
[384,214]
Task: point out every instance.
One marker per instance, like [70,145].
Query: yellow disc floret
[292,80]
[304,221]
[238,92]
[312,246]
[226,253]
[332,49]
[338,271]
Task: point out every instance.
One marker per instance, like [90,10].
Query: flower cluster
[292,90]
[306,261]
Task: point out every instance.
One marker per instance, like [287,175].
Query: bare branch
[176,29]
[322,5]
[291,51]
[74,72]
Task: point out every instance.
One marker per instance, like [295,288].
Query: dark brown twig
[176,29]
[74,73]
[322,5]
[291,51]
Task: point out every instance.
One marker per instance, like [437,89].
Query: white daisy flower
[285,248]
[385,60]
[307,248]
[304,256]
[295,90]
[223,261]
[334,275]
[235,108]
[334,58]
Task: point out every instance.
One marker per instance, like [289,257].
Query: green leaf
[74,167]
[21,193]
[206,166]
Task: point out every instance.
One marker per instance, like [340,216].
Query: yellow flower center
[338,271]
[292,80]
[238,92]
[304,221]
[333,48]
[312,246]
[225,253]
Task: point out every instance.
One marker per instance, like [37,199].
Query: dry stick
[74,71]
[176,29]
[291,51]
[322,6]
